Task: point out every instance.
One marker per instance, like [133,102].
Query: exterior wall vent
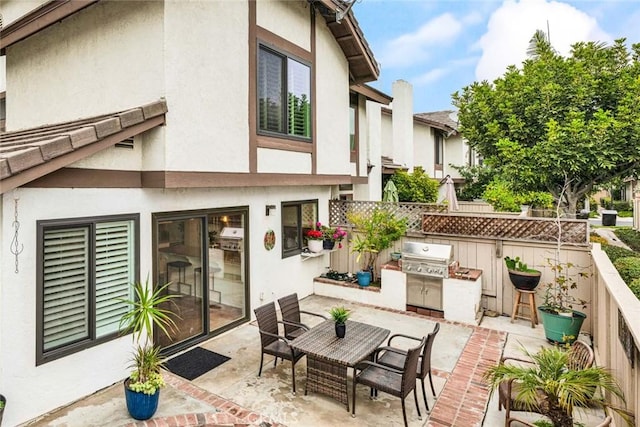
[127,143]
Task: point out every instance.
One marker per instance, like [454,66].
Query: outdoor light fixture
[269,208]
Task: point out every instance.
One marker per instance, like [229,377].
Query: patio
[232,394]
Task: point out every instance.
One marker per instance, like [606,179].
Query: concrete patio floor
[232,394]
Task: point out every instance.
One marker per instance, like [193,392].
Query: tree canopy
[559,122]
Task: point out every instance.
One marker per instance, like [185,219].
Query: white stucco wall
[423,148]
[14,9]
[403,123]
[289,19]
[35,390]
[207,76]
[85,65]
[277,161]
[386,136]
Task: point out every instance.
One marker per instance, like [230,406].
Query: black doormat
[195,362]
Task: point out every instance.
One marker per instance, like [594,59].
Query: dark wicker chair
[394,357]
[290,310]
[397,382]
[272,342]
[580,357]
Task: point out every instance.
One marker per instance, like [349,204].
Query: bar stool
[529,302]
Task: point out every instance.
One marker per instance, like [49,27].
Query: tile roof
[442,119]
[28,154]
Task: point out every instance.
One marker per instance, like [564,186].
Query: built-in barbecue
[230,239]
[427,259]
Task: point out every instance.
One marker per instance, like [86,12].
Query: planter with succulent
[376,232]
[521,276]
[549,385]
[142,388]
[340,316]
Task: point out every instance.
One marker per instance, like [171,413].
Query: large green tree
[559,122]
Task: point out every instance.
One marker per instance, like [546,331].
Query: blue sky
[441,46]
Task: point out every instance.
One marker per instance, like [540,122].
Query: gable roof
[439,119]
[26,155]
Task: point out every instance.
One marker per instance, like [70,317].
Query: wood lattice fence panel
[574,232]
[412,211]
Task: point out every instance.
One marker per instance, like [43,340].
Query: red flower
[314,235]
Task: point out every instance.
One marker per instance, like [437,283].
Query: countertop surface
[463,273]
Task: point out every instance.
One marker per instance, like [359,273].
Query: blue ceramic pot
[141,406]
[364,277]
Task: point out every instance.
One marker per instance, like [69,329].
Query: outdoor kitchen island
[436,285]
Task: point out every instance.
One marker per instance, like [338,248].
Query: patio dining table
[329,357]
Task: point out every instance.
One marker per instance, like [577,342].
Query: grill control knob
[408,267]
[430,270]
[419,269]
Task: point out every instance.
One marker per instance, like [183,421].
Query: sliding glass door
[203,256]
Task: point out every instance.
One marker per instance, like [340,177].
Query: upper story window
[297,219]
[284,95]
[84,266]
[439,148]
[353,125]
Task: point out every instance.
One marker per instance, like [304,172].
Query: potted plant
[142,388]
[550,386]
[561,322]
[521,276]
[3,403]
[331,235]
[377,231]
[340,316]
[314,240]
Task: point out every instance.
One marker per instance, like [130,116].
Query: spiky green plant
[562,388]
[146,312]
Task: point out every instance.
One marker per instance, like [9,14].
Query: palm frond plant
[146,312]
[548,385]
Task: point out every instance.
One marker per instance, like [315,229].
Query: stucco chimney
[403,123]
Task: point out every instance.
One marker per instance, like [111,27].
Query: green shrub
[630,237]
[635,287]
[500,196]
[620,205]
[415,187]
[625,214]
[606,203]
[593,205]
[628,267]
[615,252]
[537,199]
[596,238]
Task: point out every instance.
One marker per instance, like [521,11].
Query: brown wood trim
[314,75]
[88,178]
[39,19]
[284,144]
[102,178]
[372,94]
[359,180]
[253,89]
[53,165]
[269,38]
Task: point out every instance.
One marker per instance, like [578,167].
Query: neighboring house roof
[362,64]
[389,168]
[439,119]
[26,155]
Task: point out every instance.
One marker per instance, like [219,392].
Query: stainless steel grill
[427,259]
[231,239]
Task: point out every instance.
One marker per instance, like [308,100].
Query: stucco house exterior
[191,142]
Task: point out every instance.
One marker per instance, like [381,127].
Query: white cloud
[411,48]
[512,25]
[429,77]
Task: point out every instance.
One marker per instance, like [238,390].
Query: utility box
[609,218]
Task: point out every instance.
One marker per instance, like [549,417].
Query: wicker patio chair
[394,357]
[580,357]
[272,342]
[290,310]
[397,382]
[606,422]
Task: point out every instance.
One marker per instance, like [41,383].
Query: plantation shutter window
[87,267]
[66,279]
[114,273]
[284,95]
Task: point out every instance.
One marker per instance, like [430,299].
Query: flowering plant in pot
[142,388]
[332,235]
[314,240]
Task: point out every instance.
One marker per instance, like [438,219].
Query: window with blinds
[86,267]
[284,94]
